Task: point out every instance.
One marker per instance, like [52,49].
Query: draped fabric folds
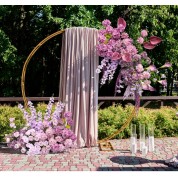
[78,87]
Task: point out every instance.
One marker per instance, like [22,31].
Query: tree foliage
[23,27]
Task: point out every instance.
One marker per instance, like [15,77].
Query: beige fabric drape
[79,82]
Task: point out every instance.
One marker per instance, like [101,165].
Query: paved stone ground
[91,159]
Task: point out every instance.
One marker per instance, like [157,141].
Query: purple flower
[25,139]
[68,114]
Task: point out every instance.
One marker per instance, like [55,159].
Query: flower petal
[154,40]
[121,21]
[148,45]
[116,56]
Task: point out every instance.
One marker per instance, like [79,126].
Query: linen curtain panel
[79,82]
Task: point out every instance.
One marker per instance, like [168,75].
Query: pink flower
[109,29]
[152,68]
[146,75]
[139,68]
[106,23]
[12,119]
[31,138]
[43,136]
[23,150]
[8,140]
[67,114]
[144,33]
[16,134]
[12,125]
[126,57]
[61,148]
[68,143]
[167,64]
[101,38]
[140,40]
[17,146]
[148,45]
[154,40]
[121,24]
[27,132]
[116,56]
[59,139]
[25,139]
[116,34]
[144,54]
[124,35]
[163,82]
[49,132]
[52,141]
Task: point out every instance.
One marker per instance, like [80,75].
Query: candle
[151,143]
[134,148]
[144,150]
[142,144]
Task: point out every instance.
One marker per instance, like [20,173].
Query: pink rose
[152,68]
[140,40]
[144,33]
[126,57]
[116,56]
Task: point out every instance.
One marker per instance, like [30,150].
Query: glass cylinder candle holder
[133,129]
[151,145]
[133,143]
[142,136]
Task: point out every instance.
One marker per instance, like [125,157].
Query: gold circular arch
[131,116]
[28,60]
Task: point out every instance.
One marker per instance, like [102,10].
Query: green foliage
[23,27]
[112,118]
[109,120]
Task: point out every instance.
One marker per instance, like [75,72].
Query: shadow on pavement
[134,161]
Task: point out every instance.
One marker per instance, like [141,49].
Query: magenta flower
[144,33]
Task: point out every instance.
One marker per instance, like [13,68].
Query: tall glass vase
[151,145]
[133,139]
[142,137]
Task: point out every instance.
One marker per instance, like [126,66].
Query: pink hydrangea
[106,23]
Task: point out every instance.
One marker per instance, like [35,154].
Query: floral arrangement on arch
[43,135]
[136,69]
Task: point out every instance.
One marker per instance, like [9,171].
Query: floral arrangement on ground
[43,134]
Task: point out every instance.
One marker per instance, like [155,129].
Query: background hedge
[109,119]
